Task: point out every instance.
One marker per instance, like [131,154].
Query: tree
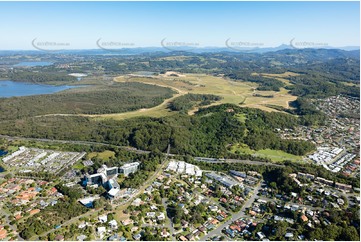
[281,230]
[349,234]
[331,232]
[317,234]
[8,176]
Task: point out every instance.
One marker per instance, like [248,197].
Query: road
[235,216]
[251,162]
[248,162]
[170,222]
[78,142]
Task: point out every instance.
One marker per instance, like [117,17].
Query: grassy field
[235,92]
[78,166]
[274,155]
[281,77]
[12,149]
[105,155]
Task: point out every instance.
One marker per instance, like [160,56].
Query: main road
[79,142]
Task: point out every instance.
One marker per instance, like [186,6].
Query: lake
[17,89]
[33,63]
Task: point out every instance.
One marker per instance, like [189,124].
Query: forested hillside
[205,134]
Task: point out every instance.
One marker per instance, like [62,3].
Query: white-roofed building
[103,218]
[129,168]
[184,168]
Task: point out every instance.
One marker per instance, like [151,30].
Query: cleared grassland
[105,155]
[274,155]
[281,77]
[235,92]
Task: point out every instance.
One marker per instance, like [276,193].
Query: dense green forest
[188,101]
[318,86]
[41,77]
[309,115]
[116,98]
[205,134]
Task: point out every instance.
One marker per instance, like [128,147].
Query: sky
[79,25]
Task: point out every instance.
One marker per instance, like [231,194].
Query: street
[235,216]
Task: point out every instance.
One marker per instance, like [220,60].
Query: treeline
[57,78]
[265,83]
[188,101]
[116,98]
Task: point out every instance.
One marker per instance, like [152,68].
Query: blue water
[16,89]
[33,63]
[3,152]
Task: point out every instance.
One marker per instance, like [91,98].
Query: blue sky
[81,24]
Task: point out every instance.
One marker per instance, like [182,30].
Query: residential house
[113,224]
[59,237]
[137,236]
[161,216]
[127,222]
[101,231]
[81,237]
[103,218]
[183,238]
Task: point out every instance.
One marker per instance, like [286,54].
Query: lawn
[12,149]
[105,155]
[274,155]
[79,165]
[278,155]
